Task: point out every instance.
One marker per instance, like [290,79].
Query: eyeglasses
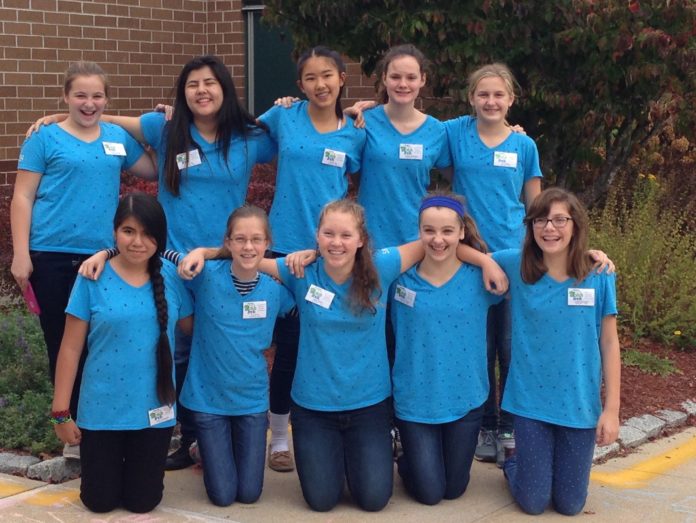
[557,221]
[242,240]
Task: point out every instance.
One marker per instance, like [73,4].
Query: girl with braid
[126,411]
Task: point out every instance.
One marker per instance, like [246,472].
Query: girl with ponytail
[126,411]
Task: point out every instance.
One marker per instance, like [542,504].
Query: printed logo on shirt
[194,158]
[404,295]
[503,159]
[114,149]
[333,158]
[581,297]
[253,310]
[410,151]
[319,296]
[160,415]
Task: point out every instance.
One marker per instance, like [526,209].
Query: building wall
[141,44]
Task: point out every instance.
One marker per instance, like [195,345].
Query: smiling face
[203,93]
[135,246]
[247,242]
[403,80]
[86,100]
[339,240]
[321,81]
[491,99]
[554,240]
[440,232]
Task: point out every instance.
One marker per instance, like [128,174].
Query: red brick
[16,4]
[154,25]
[20,53]
[116,10]
[118,57]
[95,8]
[152,3]
[81,43]
[128,22]
[129,46]
[74,31]
[17,78]
[56,43]
[82,20]
[45,104]
[105,21]
[67,6]
[98,33]
[117,34]
[17,28]
[45,30]
[142,13]
[166,14]
[44,5]
[57,18]
[105,45]
[69,55]
[184,16]
[31,66]
[8,91]
[46,79]
[153,47]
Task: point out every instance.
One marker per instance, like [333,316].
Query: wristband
[58,417]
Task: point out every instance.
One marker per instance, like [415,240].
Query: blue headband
[442,201]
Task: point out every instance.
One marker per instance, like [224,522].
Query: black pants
[123,468]
[52,279]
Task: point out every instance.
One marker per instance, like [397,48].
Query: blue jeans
[437,457]
[182,351]
[331,447]
[52,279]
[233,452]
[551,464]
[499,336]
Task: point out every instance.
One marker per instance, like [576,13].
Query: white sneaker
[71,451]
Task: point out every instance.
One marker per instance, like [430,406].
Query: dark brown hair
[324,52]
[579,262]
[472,236]
[245,211]
[392,54]
[84,68]
[365,289]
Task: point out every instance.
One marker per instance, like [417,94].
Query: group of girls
[341,412]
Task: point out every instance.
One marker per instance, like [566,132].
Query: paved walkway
[655,484]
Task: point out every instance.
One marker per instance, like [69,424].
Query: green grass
[649,363]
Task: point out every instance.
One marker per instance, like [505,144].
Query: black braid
[165,385]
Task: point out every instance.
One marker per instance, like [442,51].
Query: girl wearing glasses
[564,343]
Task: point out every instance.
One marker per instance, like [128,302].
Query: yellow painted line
[10,489]
[55,497]
[638,475]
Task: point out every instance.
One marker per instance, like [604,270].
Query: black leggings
[123,468]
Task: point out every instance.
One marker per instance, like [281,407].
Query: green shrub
[649,363]
[25,389]
[654,250]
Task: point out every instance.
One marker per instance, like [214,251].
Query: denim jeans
[52,279]
[499,336]
[233,452]
[123,468]
[551,464]
[182,351]
[331,447]
[437,458]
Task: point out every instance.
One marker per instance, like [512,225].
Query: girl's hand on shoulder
[192,264]
[46,120]
[68,432]
[494,278]
[602,261]
[286,101]
[517,128]
[21,269]
[355,111]
[168,111]
[607,428]
[297,261]
[93,266]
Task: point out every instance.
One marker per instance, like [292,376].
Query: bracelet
[59,417]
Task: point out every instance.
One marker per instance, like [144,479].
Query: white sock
[279,431]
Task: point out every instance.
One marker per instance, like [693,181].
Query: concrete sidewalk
[654,484]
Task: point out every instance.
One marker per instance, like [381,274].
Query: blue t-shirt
[227,372]
[210,190]
[395,175]
[77,194]
[440,372]
[492,180]
[312,171]
[120,375]
[556,368]
[342,358]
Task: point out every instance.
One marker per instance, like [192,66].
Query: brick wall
[141,44]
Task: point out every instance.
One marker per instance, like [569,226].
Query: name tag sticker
[333,158]
[410,151]
[503,159]
[194,158]
[404,295]
[160,415]
[581,297]
[319,296]
[253,309]
[114,149]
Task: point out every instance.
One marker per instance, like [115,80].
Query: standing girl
[440,380]
[226,385]
[564,343]
[317,149]
[403,145]
[64,198]
[493,169]
[125,411]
